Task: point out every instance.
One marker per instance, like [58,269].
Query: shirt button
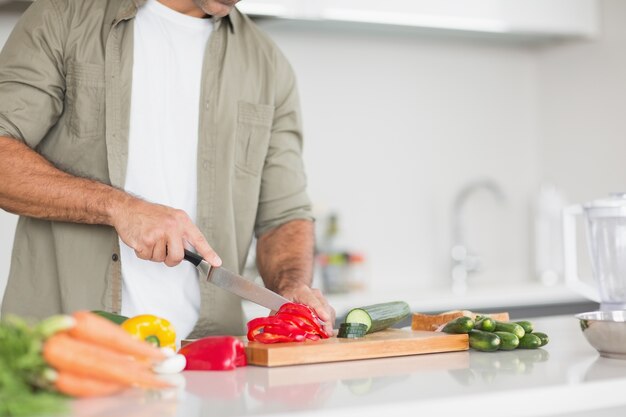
[206,164]
[115,257]
[206,105]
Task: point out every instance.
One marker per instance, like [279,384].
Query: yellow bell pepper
[152,329]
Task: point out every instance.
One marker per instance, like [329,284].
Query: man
[126,123]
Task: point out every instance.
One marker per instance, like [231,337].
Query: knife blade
[235,283]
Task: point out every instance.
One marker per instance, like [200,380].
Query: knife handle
[194,258]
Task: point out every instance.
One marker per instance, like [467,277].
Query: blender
[605,225]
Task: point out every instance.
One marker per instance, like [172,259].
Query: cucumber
[484,341]
[526,325]
[115,318]
[352,330]
[543,337]
[460,325]
[529,341]
[509,327]
[379,316]
[485,323]
[508,341]
[350,335]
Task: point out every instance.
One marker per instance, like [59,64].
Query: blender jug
[605,224]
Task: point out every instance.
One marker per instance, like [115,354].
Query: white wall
[583,110]
[396,122]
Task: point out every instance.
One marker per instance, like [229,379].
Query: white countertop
[477,297]
[566,376]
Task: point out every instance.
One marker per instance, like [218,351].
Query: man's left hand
[314,298]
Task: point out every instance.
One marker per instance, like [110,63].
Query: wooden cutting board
[383,344]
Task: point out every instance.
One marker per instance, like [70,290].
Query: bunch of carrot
[92,356]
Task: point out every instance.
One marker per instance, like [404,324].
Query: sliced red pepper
[275,338]
[255,326]
[275,326]
[306,313]
[297,321]
[293,323]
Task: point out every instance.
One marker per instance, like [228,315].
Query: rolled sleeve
[32,81]
[283,195]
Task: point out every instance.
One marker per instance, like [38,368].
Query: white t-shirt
[168,55]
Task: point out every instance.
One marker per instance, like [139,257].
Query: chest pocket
[85,99]
[254,125]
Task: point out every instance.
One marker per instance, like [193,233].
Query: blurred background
[442,140]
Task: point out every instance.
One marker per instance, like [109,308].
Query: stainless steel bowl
[605,331]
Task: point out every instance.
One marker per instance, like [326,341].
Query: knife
[236,284]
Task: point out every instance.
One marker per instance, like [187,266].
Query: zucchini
[509,327]
[526,325]
[485,323]
[529,341]
[379,316]
[508,341]
[115,318]
[352,330]
[543,337]
[484,341]
[460,325]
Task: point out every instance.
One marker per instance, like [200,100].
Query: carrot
[98,330]
[79,386]
[67,354]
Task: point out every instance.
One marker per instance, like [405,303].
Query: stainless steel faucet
[464,261]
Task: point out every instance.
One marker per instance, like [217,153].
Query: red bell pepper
[214,353]
[292,323]
[305,313]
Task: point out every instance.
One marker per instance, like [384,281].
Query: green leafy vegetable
[22,382]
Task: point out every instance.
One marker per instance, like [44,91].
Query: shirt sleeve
[32,80]
[283,195]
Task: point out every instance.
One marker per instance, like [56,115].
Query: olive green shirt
[65,84]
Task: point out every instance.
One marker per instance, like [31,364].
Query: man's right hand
[158,233]
[32,186]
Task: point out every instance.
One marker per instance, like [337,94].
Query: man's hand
[315,299]
[31,186]
[158,233]
[285,261]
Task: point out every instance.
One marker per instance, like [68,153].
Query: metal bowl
[605,331]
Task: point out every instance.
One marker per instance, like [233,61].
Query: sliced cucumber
[379,316]
[352,330]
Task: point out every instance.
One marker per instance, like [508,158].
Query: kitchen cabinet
[531,18]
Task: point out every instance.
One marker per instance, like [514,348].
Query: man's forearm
[31,186]
[285,261]
[285,256]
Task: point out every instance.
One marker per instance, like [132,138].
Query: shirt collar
[128,10]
